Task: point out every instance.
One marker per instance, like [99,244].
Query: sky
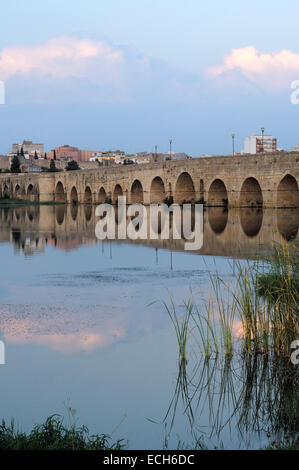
[107,74]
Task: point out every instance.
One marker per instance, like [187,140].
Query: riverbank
[11,202]
[53,434]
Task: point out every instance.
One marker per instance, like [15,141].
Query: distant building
[256,143]
[157,157]
[5,161]
[111,157]
[66,152]
[295,149]
[28,147]
[87,155]
[32,168]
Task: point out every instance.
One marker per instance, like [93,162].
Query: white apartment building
[258,143]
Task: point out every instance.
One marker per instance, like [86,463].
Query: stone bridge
[269,180]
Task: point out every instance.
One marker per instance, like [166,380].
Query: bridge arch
[184,189]
[60,214]
[251,220]
[251,193]
[74,210]
[6,191]
[157,191]
[74,196]
[287,192]
[218,218]
[88,212]
[30,213]
[102,196]
[117,193]
[136,192]
[218,195]
[60,194]
[17,190]
[32,192]
[87,195]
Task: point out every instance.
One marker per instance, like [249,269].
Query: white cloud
[83,70]
[270,71]
[60,58]
[68,69]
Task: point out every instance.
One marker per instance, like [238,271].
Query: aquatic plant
[180,324]
[264,299]
[255,395]
[54,435]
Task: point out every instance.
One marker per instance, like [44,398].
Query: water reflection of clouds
[60,329]
[82,312]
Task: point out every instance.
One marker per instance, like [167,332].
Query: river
[84,325]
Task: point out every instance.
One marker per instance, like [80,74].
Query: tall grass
[279,290]
[204,327]
[180,324]
[264,299]
[226,309]
[53,434]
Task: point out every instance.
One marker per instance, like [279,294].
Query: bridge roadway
[269,180]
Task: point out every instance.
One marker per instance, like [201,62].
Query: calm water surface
[81,326]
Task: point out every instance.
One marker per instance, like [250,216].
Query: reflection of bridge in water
[230,233]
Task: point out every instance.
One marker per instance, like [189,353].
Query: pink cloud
[60,58]
[270,71]
[58,334]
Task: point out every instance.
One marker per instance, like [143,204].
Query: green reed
[181,324]
[204,326]
[263,299]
